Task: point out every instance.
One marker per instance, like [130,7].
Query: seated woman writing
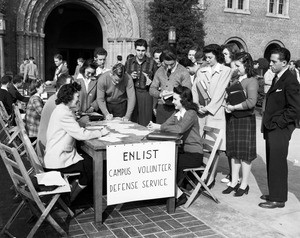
[63,130]
[184,121]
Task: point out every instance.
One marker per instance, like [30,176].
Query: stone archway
[118,19]
[270,47]
[239,42]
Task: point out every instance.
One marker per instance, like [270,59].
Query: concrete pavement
[242,217]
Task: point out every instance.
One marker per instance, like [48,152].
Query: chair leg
[46,215]
[11,219]
[65,207]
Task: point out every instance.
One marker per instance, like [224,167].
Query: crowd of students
[214,86]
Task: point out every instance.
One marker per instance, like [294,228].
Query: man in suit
[282,109]
[5,96]
[61,68]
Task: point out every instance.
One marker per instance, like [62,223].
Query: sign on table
[140,171]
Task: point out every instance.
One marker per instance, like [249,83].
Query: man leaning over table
[115,93]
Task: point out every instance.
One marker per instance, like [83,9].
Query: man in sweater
[5,96]
[142,69]
[115,93]
[165,79]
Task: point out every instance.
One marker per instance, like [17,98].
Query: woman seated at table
[63,130]
[34,109]
[184,121]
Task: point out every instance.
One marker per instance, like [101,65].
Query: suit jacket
[63,130]
[216,85]
[7,100]
[62,70]
[88,97]
[16,94]
[282,102]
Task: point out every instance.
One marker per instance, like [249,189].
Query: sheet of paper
[51,178]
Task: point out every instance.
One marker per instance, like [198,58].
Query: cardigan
[188,126]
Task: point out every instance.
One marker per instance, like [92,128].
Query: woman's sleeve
[251,92]
[181,126]
[38,105]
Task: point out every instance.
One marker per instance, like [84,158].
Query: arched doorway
[77,35]
[270,47]
[239,42]
[117,28]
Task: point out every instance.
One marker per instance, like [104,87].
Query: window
[237,6]
[271,6]
[278,8]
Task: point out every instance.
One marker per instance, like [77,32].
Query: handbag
[163,136]
[236,95]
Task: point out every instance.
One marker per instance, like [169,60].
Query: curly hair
[216,50]
[186,98]
[246,59]
[66,93]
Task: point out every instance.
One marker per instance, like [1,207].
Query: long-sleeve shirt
[161,81]
[33,115]
[107,92]
[16,95]
[188,125]
[7,100]
[147,66]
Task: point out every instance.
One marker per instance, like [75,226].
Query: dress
[241,132]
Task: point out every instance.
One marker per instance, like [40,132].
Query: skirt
[241,138]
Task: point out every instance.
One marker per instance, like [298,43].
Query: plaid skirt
[241,138]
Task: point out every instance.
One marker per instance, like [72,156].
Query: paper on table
[96,127]
[50,178]
[135,132]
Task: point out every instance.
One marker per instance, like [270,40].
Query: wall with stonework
[255,29]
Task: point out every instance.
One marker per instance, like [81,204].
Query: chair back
[30,151]
[211,142]
[18,173]
[4,133]
[3,113]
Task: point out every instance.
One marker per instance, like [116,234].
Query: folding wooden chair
[3,113]
[211,143]
[30,196]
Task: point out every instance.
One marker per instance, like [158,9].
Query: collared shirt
[100,71]
[180,114]
[147,66]
[281,72]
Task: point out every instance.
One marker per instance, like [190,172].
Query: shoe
[270,204]
[181,200]
[229,189]
[227,179]
[229,183]
[265,197]
[240,192]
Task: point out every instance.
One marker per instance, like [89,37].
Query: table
[97,150]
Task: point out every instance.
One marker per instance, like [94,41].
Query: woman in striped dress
[241,124]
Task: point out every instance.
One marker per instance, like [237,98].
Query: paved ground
[233,217]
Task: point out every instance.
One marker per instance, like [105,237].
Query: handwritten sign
[140,171]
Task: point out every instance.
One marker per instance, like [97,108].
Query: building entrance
[72,31]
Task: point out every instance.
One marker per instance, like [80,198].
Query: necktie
[275,79]
[169,73]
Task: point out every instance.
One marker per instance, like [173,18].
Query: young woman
[34,110]
[229,51]
[63,130]
[241,125]
[184,121]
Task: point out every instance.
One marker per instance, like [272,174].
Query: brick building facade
[38,28]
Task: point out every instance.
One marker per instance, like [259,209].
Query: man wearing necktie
[281,111]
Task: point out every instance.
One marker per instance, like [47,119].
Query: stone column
[41,54]
[2,33]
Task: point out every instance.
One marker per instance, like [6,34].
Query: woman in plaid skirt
[241,123]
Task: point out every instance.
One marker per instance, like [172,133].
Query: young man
[80,62]
[281,112]
[5,96]
[13,89]
[115,93]
[30,72]
[142,69]
[165,79]
[22,66]
[100,55]
[60,67]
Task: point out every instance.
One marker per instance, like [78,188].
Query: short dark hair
[130,56]
[17,79]
[141,42]
[100,51]
[216,50]
[66,93]
[34,86]
[62,79]
[186,97]
[246,59]
[284,54]
[6,79]
[58,56]
[168,55]
[81,60]
[31,58]
[186,62]
[119,57]
[199,55]
[25,59]
[157,50]
[88,64]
